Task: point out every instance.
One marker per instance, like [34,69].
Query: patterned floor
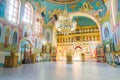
[61,71]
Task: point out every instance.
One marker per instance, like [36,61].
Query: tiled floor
[61,71]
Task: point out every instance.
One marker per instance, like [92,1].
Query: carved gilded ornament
[73,6]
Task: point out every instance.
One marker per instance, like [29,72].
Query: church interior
[40,39]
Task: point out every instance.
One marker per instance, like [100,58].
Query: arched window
[15,38]
[37,23]
[28,13]
[13,10]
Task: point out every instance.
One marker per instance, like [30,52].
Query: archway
[91,17]
[25,47]
[87,41]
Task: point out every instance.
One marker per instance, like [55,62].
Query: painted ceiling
[84,21]
[96,7]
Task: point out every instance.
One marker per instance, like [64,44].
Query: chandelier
[65,24]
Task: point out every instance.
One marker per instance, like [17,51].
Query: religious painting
[6,46]
[35,43]
[106,33]
[26,31]
[119,33]
[26,34]
[2,56]
[107,47]
[118,5]
[15,38]
[117,36]
[7,37]
[115,39]
[48,36]
[0,36]
[48,49]
[0,32]
[53,19]
[43,49]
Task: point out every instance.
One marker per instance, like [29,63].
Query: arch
[91,17]
[106,31]
[23,39]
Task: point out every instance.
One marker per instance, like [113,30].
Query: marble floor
[61,71]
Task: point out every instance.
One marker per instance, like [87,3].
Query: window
[37,23]
[28,13]
[12,11]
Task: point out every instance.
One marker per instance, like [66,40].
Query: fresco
[0,36]
[107,31]
[117,12]
[116,37]
[27,31]
[116,28]
[48,35]
[15,40]
[8,38]
[96,7]
[1,32]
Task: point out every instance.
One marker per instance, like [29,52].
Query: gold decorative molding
[73,6]
[63,2]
